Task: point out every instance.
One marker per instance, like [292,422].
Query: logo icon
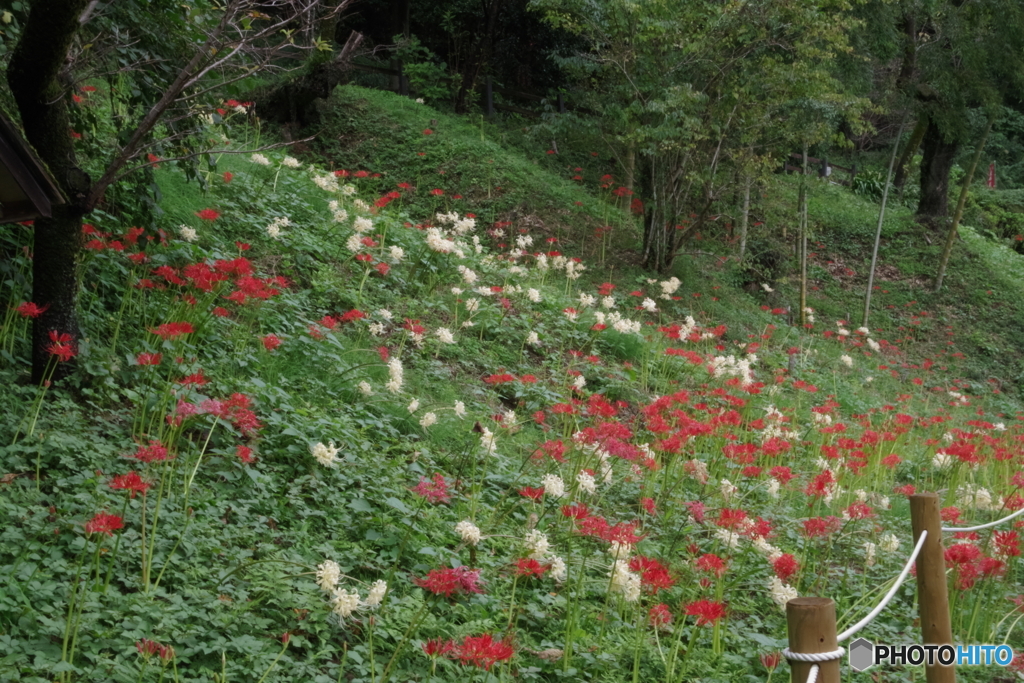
[862,654]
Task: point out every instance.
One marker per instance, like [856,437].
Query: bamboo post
[811,625]
[932,597]
[951,235]
[878,230]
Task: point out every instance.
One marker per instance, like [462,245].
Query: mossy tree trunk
[34,76]
[939,155]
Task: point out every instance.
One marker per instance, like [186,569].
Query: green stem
[72,601]
[405,637]
[274,663]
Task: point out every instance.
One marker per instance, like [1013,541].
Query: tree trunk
[939,155]
[55,283]
[480,54]
[33,75]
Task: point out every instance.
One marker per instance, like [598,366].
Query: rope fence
[814,651]
[888,596]
[1018,513]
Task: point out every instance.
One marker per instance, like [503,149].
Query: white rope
[813,675]
[813,656]
[888,596]
[985,526]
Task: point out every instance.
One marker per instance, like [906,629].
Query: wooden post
[932,597]
[489,96]
[811,624]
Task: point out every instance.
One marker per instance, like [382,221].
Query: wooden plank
[26,180]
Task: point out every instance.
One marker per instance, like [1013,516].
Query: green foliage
[428,75]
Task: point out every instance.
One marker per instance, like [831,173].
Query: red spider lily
[730,519]
[859,511]
[950,515]
[147,648]
[240,266]
[195,379]
[104,523]
[785,566]
[782,473]
[31,310]
[437,648]
[61,346]
[821,484]
[365,258]
[361,174]
[623,532]
[148,358]
[271,342]
[244,454]
[208,214]
[534,494]
[654,575]
[906,490]
[237,410]
[659,616]
[757,527]
[696,510]
[435,490]
[413,326]
[173,330]
[168,274]
[134,233]
[129,482]
[354,314]
[712,564]
[821,526]
[154,452]
[554,449]
[1007,543]
[706,611]
[576,511]
[437,192]
[483,651]
[228,175]
[451,581]
[648,505]
[527,566]
[382,268]
[771,660]
[427,131]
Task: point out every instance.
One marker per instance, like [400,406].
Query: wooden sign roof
[27,191]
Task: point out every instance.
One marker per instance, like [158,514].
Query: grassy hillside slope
[324,432]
